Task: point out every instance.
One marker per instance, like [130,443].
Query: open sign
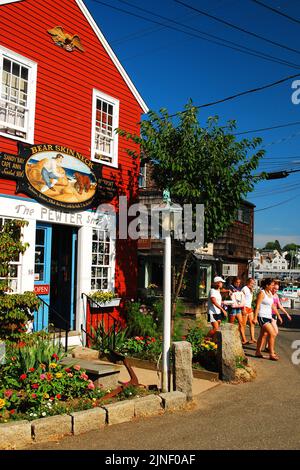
[42,289]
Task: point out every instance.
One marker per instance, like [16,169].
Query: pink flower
[35,386]
[8,393]
[90,386]
[42,376]
[76,367]
[84,376]
[70,375]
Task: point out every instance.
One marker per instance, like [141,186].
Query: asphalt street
[263,414]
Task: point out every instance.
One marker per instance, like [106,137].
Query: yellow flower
[58,375]
[52,365]
[45,395]
[2,403]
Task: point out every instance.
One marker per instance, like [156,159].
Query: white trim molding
[115,123]
[112,55]
[4,2]
[32,80]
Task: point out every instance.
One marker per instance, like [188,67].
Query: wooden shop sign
[57,176]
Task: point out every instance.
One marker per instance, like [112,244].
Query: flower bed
[33,383]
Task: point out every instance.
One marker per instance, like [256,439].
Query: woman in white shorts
[263,313]
[215,308]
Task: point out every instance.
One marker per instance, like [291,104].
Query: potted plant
[100,298]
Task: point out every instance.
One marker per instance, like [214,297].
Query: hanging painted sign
[57,176]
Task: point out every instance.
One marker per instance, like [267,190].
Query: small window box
[109,303]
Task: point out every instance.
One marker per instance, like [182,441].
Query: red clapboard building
[63,92]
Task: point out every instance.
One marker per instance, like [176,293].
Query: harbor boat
[291,292]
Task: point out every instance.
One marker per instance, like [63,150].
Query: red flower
[55,356]
[32,369]
[12,412]
[35,386]
[21,344]
[58,396]
[13,358]
[8,393]
[23,377]
[68,369]
[33,395]
[49,376]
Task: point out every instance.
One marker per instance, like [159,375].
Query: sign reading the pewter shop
[57,176]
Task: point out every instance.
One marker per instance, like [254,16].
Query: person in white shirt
[215,308]
[51,172]
[263,315]
[247,310]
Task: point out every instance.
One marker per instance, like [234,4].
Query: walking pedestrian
[215,308]
[275,310]
[247,312]
[263,315]
[235,312]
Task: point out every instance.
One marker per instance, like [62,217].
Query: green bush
[140,319]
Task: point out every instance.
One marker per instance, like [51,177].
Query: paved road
[264,414]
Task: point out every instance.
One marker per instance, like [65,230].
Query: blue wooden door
[42,271]
[73,278]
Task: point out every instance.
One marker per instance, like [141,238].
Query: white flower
[44,413]
[35,415]
[31,414]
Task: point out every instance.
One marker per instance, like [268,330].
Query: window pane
[40,236]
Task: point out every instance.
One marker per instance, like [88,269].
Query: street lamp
[171,216]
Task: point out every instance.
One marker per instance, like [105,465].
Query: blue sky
[169,67]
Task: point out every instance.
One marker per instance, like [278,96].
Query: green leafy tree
[198,164]
[15,309]
[273,246]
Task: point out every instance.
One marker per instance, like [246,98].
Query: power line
[242,93]
[231,25]
[263,129]
[278,204]
[276,11]
[234,46]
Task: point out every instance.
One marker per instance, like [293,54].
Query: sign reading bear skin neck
[57,176]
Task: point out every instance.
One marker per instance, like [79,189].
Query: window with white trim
[102,260]
[105,121]
[17,95]
[15,268]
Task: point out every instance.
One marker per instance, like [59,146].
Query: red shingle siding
[65,80]
[65,83]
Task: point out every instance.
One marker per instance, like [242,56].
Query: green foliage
[197,164]
[15,309]
[35,349]
[11,246]
[240,362]
[44,389]
[142,347]
[102,338]
[140,319]
[273,246]
[102,296]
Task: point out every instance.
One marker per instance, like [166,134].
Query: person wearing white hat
[215,308]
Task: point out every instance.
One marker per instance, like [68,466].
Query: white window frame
[18,263]
[143,176]
[32,81]
[110,267]
[116,106]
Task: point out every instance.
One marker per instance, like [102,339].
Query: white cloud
[260,239]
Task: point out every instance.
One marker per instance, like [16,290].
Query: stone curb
[19,434]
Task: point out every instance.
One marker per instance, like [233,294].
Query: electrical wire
[276,11]
[243,30]
[264,129]
[237,47]
[278,204]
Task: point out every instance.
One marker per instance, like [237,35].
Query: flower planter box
[110,303]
